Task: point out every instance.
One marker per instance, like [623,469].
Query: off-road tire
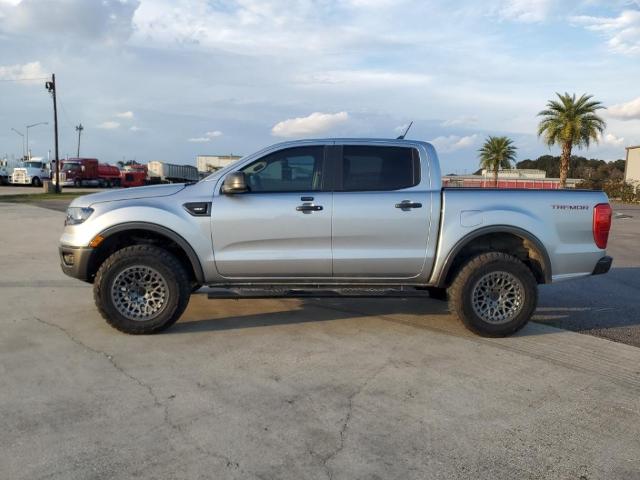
[461,293]
[166,264]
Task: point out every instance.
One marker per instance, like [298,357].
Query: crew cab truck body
[333,214]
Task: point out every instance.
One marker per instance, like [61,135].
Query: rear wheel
[494,294]
[141,289]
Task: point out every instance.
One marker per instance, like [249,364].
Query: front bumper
[75,261]
[603,265]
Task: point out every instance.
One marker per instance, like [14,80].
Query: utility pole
[51,87]
[79,129]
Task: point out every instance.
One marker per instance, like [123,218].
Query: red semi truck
[83,172]
[134,176]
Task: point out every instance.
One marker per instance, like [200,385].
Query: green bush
[623,191]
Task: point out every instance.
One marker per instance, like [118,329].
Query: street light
[22,135]
[28,127]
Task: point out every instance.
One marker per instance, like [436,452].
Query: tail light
[601,224]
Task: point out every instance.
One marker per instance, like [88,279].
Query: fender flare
[194,260]
[518,232]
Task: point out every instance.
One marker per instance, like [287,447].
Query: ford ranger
[332,215]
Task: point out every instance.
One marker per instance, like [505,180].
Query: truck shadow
[248,312]
[601,305]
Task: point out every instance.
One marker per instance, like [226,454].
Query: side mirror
[82,168]
[235,183]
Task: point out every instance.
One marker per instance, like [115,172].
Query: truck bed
[560,220]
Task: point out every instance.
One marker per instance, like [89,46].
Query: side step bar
[219,293]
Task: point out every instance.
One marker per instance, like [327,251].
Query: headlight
[77,215]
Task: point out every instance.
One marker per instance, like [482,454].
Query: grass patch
[38,197]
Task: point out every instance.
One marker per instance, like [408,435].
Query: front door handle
[407,204]
[308,208]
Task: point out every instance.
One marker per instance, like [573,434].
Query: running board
[218,294]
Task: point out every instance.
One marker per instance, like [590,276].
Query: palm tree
[497,153]
[570,123]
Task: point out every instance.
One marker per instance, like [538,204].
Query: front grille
[19,177]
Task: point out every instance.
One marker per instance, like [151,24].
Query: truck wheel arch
[484,239]
[152,233]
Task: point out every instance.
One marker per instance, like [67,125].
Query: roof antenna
[401,137]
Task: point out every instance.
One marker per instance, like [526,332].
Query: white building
[632,165]
[211,163]
[529,173]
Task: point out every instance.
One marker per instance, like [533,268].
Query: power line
[65,116]
[23,79]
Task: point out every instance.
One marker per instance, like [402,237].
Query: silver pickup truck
[332,215]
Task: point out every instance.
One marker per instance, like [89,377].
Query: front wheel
[494,294]
[36,182]
[141,289]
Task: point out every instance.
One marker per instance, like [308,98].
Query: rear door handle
[407,204]
[309,208]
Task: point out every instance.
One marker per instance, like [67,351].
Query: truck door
[281,227]
[381,213]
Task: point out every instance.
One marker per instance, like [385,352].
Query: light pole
[28,127]
[22,135]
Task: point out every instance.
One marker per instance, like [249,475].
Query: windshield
[216,173]
[70,166]
[33,165]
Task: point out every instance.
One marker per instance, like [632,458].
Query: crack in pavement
[230,464]
[347,419]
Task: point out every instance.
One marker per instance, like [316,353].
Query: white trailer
[162,172]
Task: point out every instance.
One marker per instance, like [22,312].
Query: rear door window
[374,168]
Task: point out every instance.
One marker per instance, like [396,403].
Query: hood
[128,194]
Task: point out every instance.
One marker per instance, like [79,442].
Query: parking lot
[314,388]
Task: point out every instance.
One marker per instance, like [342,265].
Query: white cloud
[527,11]
[27,70]
[109,125]
[611,139]
[366,77]
[313,124]
[128,115]
[622,32]
[207,137]
[452,143]
[135,128]
[626,111]
[466,120]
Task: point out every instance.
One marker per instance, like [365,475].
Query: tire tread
[456,292]
[136,251]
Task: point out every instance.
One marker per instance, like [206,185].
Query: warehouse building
[211,163]
[632,165]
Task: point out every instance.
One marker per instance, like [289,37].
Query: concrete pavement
[278,389]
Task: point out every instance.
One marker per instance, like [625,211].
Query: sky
[171,79]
